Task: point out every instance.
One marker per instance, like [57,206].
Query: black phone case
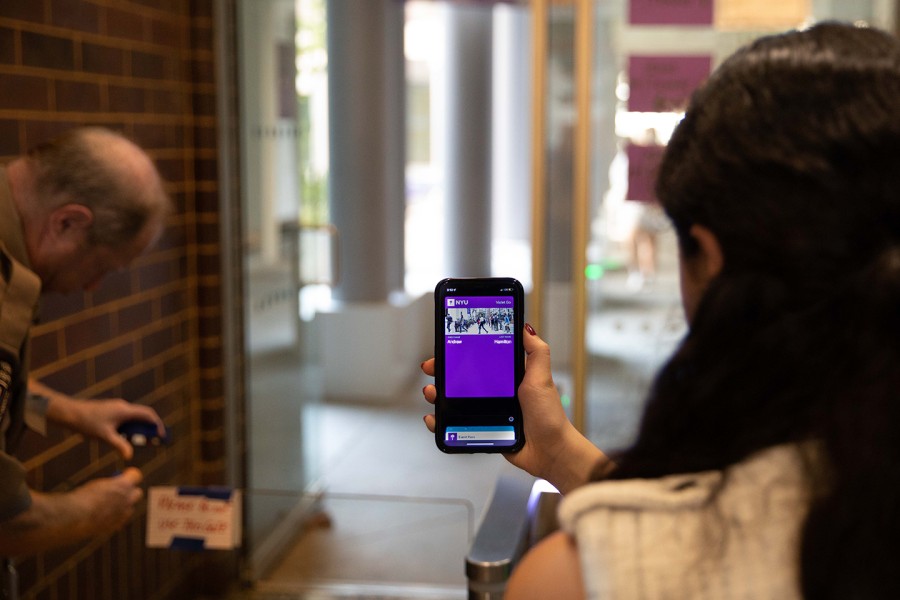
[476,286]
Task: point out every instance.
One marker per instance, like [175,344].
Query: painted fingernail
[530,329]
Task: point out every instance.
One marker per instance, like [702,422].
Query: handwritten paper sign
[194,518]
[643,163]
[664,83]
[670,12]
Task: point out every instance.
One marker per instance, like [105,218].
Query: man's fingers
[132,475]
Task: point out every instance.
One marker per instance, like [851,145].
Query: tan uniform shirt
[19,290]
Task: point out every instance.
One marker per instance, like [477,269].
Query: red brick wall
[152,334]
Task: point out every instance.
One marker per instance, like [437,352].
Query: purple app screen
[479,353]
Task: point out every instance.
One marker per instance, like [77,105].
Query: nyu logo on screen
[457,302]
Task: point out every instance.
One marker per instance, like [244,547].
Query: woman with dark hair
[767,463]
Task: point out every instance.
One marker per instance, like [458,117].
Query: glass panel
[278,168]
[345,496]
[376,546]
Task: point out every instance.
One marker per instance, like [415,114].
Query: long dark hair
[790,155]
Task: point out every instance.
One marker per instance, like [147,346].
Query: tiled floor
[396,516]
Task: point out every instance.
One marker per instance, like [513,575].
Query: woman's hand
[554,450]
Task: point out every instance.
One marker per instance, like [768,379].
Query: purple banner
[664,83]
[670,12]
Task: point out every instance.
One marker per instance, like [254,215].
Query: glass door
[611,79]
[285,254]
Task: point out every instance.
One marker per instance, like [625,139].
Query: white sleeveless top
[674,538]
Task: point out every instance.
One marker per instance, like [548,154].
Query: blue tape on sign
[215,493]
[184,543]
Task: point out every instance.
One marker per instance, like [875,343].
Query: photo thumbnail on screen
[476,318]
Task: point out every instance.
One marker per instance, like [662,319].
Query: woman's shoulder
[778,467]
[706,532]
[551,569]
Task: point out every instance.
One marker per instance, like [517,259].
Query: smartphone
[479,364]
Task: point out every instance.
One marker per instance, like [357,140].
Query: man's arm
[97,508]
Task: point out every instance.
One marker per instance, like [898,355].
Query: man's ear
[70,220]
[710,259]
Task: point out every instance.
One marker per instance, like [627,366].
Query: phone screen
[479,364]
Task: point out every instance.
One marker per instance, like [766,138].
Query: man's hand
[98,419]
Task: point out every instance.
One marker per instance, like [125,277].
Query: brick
[44,349]
[202,71]
[38,131]
[24,92]
[88,576]
[202,8]
[148,66]
[58,470]
[123,24]
[26,10]
[134,317]
[168,102]
[57,306]
[114,286]
[78,96]
[76,15]
[32,445]
[159,136]
[171,169]
[206,169]
[7,46]
[105,60]
[39,50]
[207,202]
[175,368]
[209,264]
[172,304]
[9,138]
[202,37]
[71,378]
[210,358]
[212,387]
[89,332]
[206,137]
[27,568]
[166,33]
[127,99]
[112,363]
[204,104]
[139,386]
[156,343]
[157,274]
[209,296]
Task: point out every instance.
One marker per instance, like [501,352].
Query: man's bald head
[104,171]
